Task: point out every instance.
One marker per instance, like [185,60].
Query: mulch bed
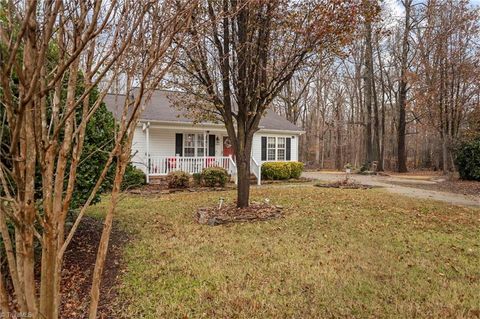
[288,181]
[230,213]
[78,268]
[158,190]
[344,184]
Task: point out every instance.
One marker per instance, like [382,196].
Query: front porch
[162,165]
[161,150]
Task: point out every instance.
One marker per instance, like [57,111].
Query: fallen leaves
[231,214]
[344,183]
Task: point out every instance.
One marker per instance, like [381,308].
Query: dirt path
[391,184]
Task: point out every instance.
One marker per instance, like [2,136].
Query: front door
[227,146]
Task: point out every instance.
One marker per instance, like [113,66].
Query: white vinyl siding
[257,145]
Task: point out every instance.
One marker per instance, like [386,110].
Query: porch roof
[160,108]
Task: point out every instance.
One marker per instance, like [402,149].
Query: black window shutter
[179,144]
[288,156]
[211,145]
[264,148]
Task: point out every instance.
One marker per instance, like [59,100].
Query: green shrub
[178,179]
[365,167]
[214,176]
[276,170]
[197,178]
[134,177]
[467,160]
[296,169]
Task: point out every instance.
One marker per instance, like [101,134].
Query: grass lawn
[337,253]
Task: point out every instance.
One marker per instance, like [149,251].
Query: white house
[165,140]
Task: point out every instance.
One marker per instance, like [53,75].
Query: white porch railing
[162,165]
[256,169]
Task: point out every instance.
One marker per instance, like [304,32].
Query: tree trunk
[243,186]
[402,94]
[368,78]
[338,138]
[107,229]
[372,94]
[401,152]
[243,149]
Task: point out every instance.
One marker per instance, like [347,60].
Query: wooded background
[404,93]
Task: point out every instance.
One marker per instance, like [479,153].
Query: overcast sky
[396,8]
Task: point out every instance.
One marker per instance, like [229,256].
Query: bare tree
[242,53]
[47,49]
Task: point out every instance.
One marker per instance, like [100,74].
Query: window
[194,145]
[271,148]
[200,145]
[280,148]
[275,148]
[189,145]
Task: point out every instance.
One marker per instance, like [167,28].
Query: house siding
[257,145]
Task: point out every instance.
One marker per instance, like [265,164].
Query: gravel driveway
[391,184]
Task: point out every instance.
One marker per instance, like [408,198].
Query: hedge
[214,176]
[133,178]
[178,179]
[467,159]
[281,170]
[296,169]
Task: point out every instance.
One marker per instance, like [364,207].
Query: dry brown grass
[337,253]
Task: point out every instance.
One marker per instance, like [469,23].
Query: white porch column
[147,148]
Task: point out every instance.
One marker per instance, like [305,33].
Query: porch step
[253,179]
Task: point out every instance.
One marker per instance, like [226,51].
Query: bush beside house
[178,179]
[134,177]
[296,169]
[281,170]
[214,177]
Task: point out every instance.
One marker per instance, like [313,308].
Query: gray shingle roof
[160,108]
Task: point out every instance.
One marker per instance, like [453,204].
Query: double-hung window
[189,145]
[194,145]
[275,148]
[281,145]
[271,144]
[200,145]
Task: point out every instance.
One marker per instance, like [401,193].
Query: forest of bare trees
[403,93]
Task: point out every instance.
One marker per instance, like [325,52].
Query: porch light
[217,140]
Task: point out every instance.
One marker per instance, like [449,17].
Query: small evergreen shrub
[197,178]
[276,170]
[467,160]
[134,177]
[214,176]
[296,169]
[364,167]
[178,179]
